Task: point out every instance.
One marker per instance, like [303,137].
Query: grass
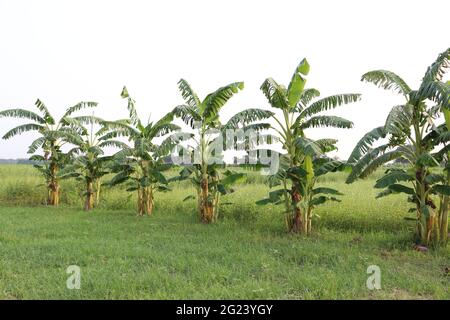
[247,254]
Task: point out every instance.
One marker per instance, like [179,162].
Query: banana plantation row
[417,131]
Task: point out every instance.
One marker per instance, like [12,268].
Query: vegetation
[142,164]
[305,159]
[53,135]
[413,134]
[409,154]
[89,164]
[246,255]
[206,156]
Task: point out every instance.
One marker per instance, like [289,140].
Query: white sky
[67,51]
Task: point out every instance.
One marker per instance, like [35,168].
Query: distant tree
[142,165]
[89,164]
[53,135]
[296,109]
[203,116]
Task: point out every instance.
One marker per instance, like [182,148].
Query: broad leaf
[216,100]
[392,178]
[297,84]
[387,80]
[328,103]
[327,121]
[275,93]
[325,190]
[308,146]
[442,189]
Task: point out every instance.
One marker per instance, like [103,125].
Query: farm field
[247,254]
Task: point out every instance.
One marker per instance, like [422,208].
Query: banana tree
[53,135]
[303,178]
[89,164]
[444,200]
[296,110]
[142,164]
[411,132]
[206,158]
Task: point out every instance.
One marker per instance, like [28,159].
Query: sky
[63,52]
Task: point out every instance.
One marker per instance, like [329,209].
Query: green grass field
[246,255]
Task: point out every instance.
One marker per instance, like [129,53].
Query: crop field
[247,254]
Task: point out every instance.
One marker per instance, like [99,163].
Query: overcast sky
[67,51]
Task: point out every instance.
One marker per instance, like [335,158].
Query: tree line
[417,132]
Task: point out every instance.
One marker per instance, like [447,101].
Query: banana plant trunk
[309,219]
[302,214]
[442,218]
[444,232]
[97,193]
[297,223]
[300,219]
[53,186]
[89,202]
[206,205]
[145,201]
[427,219]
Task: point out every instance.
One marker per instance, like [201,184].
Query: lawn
[246,255]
